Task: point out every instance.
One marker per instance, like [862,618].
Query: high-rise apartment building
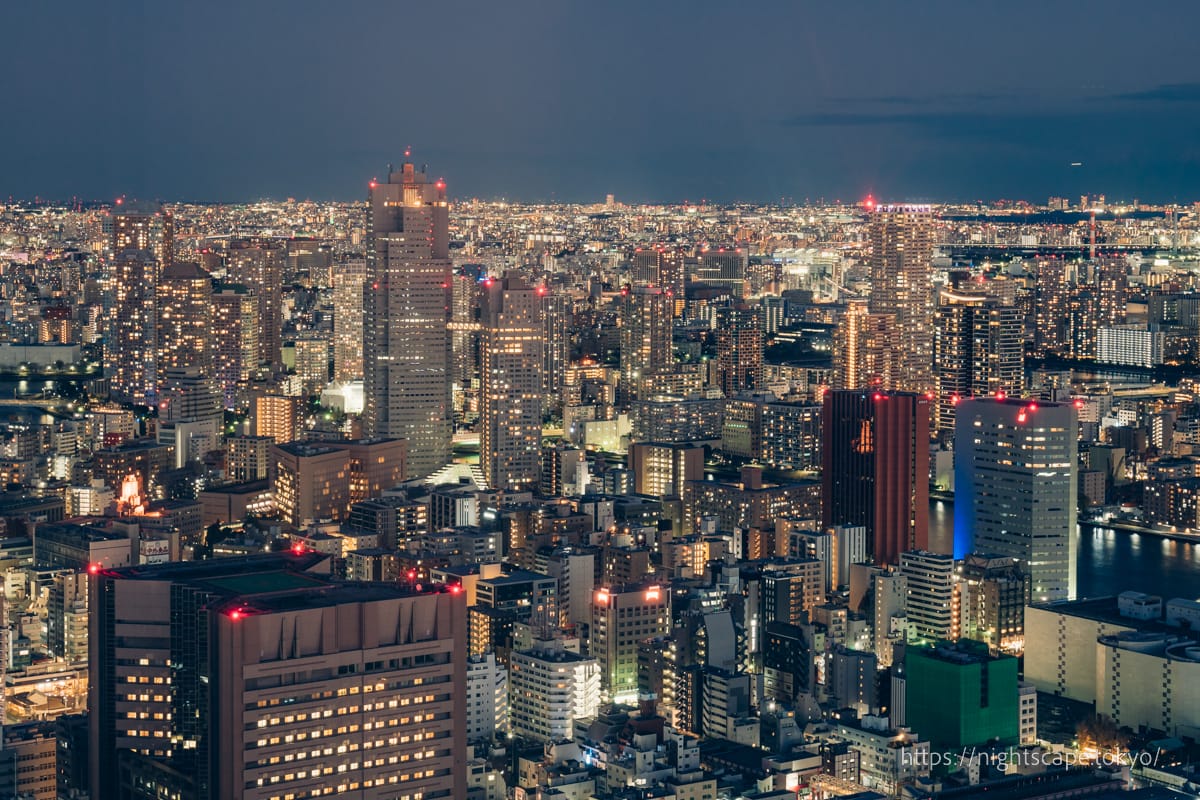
[234,340]
[1017,461]
[143,226]
[348,280]
[901,265]
[865,353]
[129,347]
[556,343]
[185,318]
[406,308]
[740,348]
[221,678]
[661,266]
[875,468]
[980,349]
[1074,300]
[259,265]
[646,327]
[510,423]
[1051,295]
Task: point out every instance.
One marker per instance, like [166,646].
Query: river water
[1110,561]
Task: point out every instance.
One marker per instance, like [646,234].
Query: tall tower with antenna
[406,311]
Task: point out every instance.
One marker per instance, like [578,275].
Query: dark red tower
[875,468]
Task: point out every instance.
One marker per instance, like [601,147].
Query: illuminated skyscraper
[864,353]
[185,694]
[1050,306]
[740,348]
[185,318]
[348,280]
[556,345]
[142,244]
[259,264]
[980,349]
[1017,461]
[663,267]
[144,226]
[1074,300]
[875,468]
[407,299]
[511,396]
[129,347]
[234,340]
[901,263]
[646,327]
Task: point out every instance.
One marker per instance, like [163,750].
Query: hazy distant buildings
[406,343]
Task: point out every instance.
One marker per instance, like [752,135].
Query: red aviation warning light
[1000,395]
[869,203]
[298,549]
[93,569]
[236,614]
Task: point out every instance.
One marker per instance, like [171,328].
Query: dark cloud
[1165,93]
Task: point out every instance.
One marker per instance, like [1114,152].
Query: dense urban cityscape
[433,498]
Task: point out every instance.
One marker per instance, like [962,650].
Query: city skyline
[740,450]
[942,101]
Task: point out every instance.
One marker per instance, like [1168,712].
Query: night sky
[652,100]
